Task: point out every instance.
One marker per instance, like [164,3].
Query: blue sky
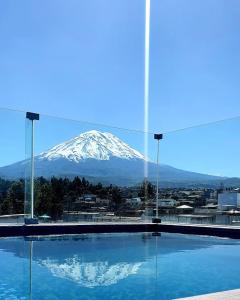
[84,59]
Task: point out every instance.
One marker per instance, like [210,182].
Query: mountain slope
[102,157]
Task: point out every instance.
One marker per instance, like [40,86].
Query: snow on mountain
[92,145]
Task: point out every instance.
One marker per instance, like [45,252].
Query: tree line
[51,195]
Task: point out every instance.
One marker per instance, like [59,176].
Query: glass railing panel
[86,172]
[199,175]
[12,133]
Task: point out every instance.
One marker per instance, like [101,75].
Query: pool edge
[66,228]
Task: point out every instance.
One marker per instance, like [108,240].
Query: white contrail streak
[146,85]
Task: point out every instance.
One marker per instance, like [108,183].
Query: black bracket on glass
[158,136]
[32,116]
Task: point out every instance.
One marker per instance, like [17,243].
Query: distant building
[213,195]
[206,209]
[228,200]
[103,201]
[186,192]
[167,203]
[89,197]
[185,209]
[134,202]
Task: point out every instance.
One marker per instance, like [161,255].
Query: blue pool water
[117,266]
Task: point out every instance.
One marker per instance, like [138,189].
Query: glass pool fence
[54,170]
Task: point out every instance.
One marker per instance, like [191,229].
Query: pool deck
[78,228]
[233,295]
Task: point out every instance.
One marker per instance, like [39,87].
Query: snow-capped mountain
[103,157]
[92,145]
[98,156]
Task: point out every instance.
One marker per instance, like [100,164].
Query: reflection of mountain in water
[102,259]
[90,274]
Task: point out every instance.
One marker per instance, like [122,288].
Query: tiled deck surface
[227,295]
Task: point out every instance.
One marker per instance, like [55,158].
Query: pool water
[117,266]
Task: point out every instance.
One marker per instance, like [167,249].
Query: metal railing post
[157,137]
[32,117]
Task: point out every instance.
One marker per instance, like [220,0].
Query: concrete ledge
[75,228]
[233,295]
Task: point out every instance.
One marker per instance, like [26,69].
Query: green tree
[57,197]
[43,199]
[14,201]
[147,190]
[116,197]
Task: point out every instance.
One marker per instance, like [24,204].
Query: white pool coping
[226,295]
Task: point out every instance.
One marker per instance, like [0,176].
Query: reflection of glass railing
[85,172]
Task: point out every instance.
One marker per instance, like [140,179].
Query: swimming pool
[117,266]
